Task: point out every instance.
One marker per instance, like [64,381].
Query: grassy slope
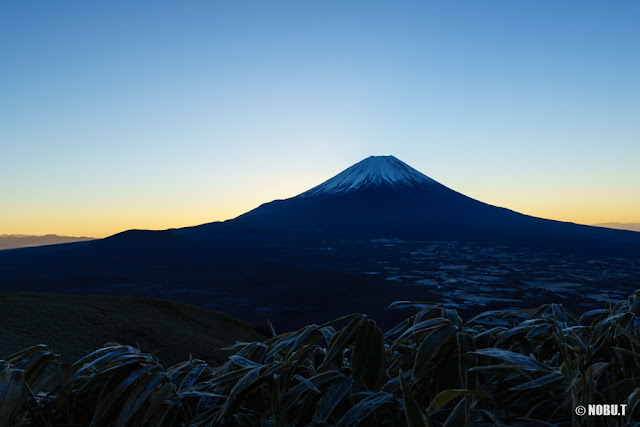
[433,369]
[76,325]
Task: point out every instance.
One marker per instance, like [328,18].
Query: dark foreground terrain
[73,326]
[293,285]
[546,368]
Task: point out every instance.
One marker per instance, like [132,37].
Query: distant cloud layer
[13,241]
[633,226]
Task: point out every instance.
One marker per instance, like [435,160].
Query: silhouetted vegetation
[432,369]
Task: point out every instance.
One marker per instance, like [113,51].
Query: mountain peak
[372,172]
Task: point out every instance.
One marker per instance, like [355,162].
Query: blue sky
[118,115]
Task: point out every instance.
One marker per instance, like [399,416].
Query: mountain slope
[379,197]
[382,197]
[316,256]
[373,172]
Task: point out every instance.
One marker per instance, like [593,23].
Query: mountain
[12,241]
[383,197]
[378,232]
[374,172]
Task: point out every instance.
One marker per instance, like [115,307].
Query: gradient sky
[159,114]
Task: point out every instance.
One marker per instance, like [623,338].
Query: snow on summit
[374,171]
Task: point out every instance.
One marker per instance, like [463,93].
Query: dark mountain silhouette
[382,197]
[379,197]
[308,258]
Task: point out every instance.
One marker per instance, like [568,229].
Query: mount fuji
[378,232]
[373,172]
[378,197]
[383,197]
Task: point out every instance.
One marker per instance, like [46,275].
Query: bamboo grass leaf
[330,400]
[271,329]
[328,333]
[307,383]
[118,393]
[246,381]
[446,396]
[399,305]
[193,376]
[520,360]
[429,346]
[397,329]
[300,340]
[632,403]
[540,382]
[597,312]
[457,415]
[244,363]
[20,356]
[342,339]
[254,351]
[105,353]
[156,402]
[364,408]
[414,416]
[368,356]
[418,328]
[495,313]
[223,379]
[393,385]
[138,397]
[319,380]
[12,394]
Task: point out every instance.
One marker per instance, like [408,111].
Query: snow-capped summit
[372,172]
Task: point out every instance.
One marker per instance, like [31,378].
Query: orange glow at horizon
[98,222]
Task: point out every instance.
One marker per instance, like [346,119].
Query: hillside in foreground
[544,367]
[75,325]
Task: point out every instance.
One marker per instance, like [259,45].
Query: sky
[117,115]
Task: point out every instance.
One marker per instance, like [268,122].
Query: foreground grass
[432,369]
